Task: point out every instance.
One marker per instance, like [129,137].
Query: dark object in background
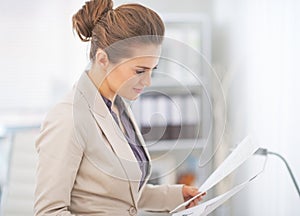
[170,132]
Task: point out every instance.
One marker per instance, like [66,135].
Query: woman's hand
[188,192]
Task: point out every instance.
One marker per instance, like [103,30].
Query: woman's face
[131,76]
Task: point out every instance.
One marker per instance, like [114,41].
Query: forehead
[145,55]
[147,50]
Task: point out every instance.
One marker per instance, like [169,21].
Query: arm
[59,157]
[160,197]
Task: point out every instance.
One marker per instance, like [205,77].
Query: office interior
[249,50]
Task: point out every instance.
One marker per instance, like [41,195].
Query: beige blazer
[85,165]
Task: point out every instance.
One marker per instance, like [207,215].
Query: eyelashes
[141,71]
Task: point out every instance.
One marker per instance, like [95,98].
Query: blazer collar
[89,91]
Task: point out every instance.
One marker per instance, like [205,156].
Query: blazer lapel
[113,134]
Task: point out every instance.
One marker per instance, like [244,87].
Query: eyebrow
[147,68]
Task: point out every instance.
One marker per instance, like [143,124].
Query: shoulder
[59,126]
[61,112]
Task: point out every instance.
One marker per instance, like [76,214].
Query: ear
[102,58]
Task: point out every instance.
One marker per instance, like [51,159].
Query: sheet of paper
[207,207]
[239,155]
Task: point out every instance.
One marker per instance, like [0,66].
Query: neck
[98,77]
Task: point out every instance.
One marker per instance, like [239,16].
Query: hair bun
[86,18]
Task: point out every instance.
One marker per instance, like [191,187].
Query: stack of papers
[240,154]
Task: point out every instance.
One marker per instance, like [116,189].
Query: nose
[146,79]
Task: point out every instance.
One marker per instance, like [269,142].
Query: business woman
[92,159]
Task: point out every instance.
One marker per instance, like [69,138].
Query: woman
[91,156]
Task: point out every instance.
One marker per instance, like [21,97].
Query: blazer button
[132,211]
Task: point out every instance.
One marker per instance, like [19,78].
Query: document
[210,205]
[240,154]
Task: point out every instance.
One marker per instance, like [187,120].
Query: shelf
[181,144]
[173,89]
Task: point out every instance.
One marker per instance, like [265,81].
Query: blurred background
[253,47]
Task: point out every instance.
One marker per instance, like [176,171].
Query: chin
[131,97]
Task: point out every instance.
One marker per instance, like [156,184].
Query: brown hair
[99,23]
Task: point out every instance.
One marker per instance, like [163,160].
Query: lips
[137,90]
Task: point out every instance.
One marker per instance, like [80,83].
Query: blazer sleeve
[160,197]
[59,157]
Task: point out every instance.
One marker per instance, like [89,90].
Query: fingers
[194,191]
[195,201]
[192,203]
[189,192]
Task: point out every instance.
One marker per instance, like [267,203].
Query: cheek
[130,83]
[119,79]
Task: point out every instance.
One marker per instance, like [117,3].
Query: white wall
[170,6]
[256,49]
[39,55]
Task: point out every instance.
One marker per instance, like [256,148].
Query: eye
[140,71]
